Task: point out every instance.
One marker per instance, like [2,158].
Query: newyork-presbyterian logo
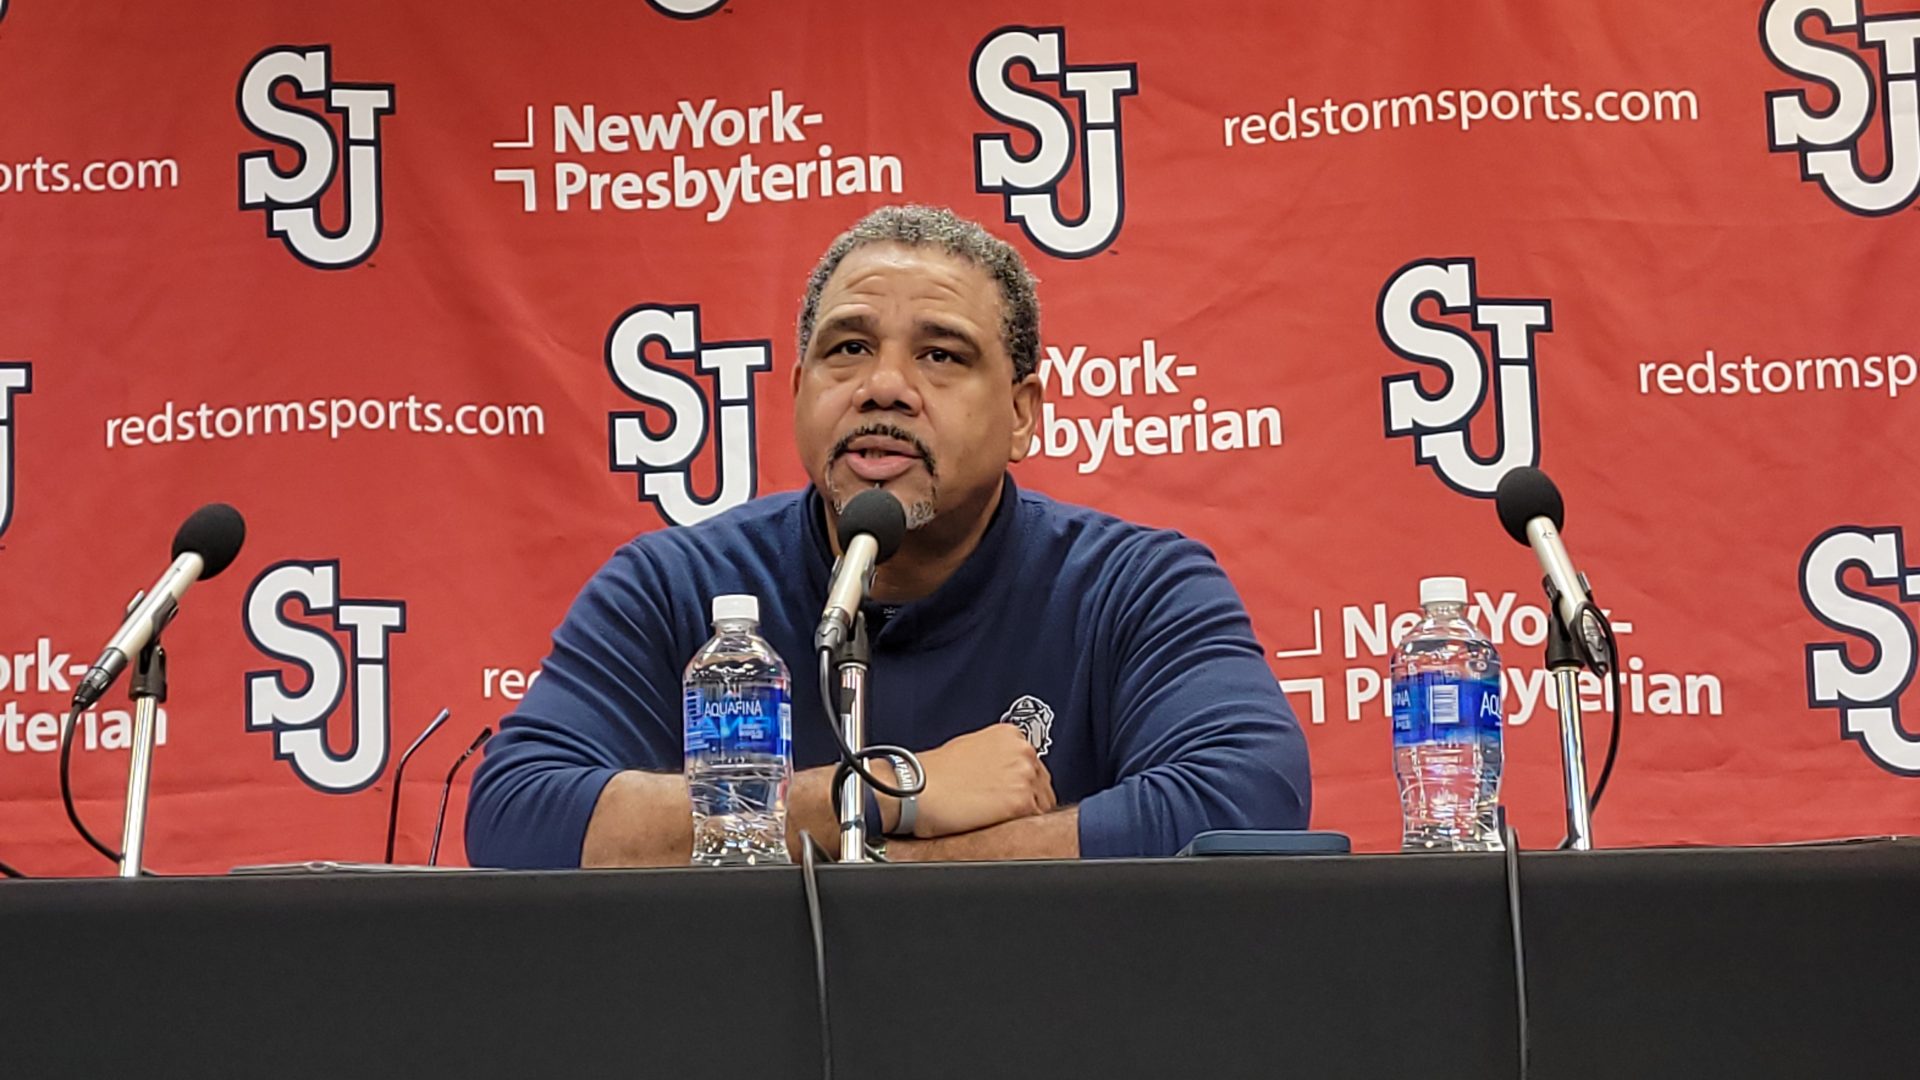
[291,199]
[719,413]
[1440,422]
[1030,185]
[298,710]
[1827,140]
[1865,694]
[14,379]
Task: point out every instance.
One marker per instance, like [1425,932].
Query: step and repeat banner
[451,301]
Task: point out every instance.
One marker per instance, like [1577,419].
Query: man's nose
[890,383]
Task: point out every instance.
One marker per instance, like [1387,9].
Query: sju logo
[1030,185]
[291,199]
[1439,422]
[1828,140]
[299,717]
[687,9]
[1866,694]
[664,458]
[14,379]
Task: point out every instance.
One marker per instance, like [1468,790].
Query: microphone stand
[440,818]
[852,663]
[148,690]
[1565,660]
[393,808]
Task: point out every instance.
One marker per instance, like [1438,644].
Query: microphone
[439,819]
[205,545]
[871,529]
[1531,509]
[393,808]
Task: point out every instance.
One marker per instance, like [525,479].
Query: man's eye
[851,348]
[943,356]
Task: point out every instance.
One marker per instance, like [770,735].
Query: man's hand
[979,779]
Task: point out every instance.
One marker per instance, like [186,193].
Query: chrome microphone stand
[1565,660]
[148,690]
[851,664]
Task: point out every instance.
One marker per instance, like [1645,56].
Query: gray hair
[942,230]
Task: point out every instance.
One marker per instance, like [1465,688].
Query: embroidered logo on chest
[1034,718]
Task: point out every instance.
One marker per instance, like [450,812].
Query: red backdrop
[421,290]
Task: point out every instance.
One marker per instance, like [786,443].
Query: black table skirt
[1798,962]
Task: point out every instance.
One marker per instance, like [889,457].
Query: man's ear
[1028,396]
[799,363]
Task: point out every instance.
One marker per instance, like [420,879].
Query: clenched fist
[979,779]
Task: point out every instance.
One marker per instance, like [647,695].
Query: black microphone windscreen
[880,516]
[215,533]
[1525,494]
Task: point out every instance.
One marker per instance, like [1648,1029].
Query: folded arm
[1202,737]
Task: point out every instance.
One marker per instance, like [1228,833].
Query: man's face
[907,385]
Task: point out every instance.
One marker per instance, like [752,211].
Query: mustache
[887,431]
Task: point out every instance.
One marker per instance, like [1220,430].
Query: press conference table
[1788,962]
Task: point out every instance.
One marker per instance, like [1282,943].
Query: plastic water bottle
[739,741]
[1447,706]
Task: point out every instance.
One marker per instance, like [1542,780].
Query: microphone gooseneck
[399,772]
[446,791]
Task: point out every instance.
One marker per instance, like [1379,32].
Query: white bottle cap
[736,606]
[1443,590]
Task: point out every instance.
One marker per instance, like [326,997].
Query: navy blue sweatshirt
[1124,653]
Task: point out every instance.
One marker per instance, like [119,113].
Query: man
[1073,684]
